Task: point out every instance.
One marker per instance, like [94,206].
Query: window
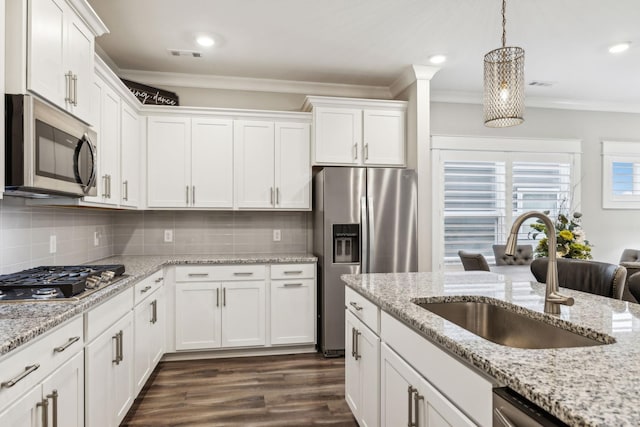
[479,193]
[621,175]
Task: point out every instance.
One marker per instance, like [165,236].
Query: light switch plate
[96,238]
[168,236]
[276,235]
[52,244]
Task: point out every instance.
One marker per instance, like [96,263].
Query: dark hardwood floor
[270,391]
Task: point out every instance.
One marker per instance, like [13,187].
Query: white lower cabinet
[149,334]
[197,315]
[243,314]
[292,301]
[406,398]
[26,412]
[362,361]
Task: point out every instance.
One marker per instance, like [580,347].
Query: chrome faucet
[553,298]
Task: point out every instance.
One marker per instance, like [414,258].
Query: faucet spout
[553,298]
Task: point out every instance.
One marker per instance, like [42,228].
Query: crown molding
[253,84]
[89,16]
[411,74]
[460,97]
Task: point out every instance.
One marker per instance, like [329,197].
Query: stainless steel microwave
[47,151]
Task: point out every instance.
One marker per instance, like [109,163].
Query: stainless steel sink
[507,327]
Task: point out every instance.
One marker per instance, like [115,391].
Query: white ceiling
[371,42]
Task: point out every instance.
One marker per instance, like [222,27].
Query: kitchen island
[593,386]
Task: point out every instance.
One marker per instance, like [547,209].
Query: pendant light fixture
[504,83]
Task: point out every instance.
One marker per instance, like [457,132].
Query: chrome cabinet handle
[54,397]
[154,311]
[366,151]
[243,273]
[355,305]
[218,297]
[109,186]
[125,190]
[27,370]
[187,194]
[66,345]
[159,279]
[353,342]
[410,391]
[104,186]
[121,353]
[503,418]
[193,194]
[117,359]
[357,351]
[271,190]
[198,274]
[293,272]
[355,151]
[416,407]
[224,297]
[67,85]
[75,89]
[277,195]
[146,289]
[44,404]
[289,285]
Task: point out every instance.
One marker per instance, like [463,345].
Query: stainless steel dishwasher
[512,410]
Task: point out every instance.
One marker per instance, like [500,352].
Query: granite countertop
[21,322]
[585,386]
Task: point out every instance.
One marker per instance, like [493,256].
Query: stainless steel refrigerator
[365,221]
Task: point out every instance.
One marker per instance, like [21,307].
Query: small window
[621,175]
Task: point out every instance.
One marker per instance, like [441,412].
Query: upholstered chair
[633,283]
[594,277]
[630,260]
[523,255]
[473,261]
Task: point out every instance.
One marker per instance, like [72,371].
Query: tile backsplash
[210,232]
[25,233]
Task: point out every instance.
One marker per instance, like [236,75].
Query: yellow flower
[566,235]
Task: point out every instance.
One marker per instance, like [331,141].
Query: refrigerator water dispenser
[346,243]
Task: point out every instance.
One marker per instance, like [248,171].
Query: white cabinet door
[362,371]
[26,412]
[402,387]
[64,390]
[292,166]
[97,89]
[142,316]
[168,155]
[254,164]
[123,387]
[157,328]
[130,157]
[338,134]
[292,311]
[79,53]
[384,137]
[99,380]
[45,50]
[243,314]
[198,307]
[110,146]
[212,163]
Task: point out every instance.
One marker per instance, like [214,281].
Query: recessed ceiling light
[619,47]
[437,59]
[205,41]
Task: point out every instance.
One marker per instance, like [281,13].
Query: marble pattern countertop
[583,386]
[21,322]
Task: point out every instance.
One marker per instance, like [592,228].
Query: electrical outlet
[96,238]
[52,244]
[276,235]
[168,236]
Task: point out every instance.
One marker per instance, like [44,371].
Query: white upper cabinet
[50,51]
[272,169]
[130,157]
[168,155]
[357,132]
[211,163]
[254,166]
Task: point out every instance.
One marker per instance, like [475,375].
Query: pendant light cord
[504,24]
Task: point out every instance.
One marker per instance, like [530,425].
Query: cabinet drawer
[100,318]
[49,351]
[363,309]
[217,273]
[291,271]
[147,286]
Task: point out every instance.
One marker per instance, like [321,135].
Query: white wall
[610,231]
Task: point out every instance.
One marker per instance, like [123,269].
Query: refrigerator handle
[370,235]
[364,231]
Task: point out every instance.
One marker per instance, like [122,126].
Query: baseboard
[249,352]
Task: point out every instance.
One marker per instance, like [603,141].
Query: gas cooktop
[57,282]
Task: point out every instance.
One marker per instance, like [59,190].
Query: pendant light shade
[504,83]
